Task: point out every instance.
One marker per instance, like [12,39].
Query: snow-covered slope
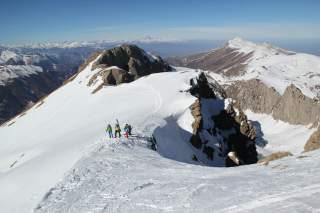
[126,177]
[278,68]
[39,146]
[278,136]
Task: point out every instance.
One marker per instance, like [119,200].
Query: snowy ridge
[26,59]
[9,72]
[14,64]
[7,54]
[259,50]
[27,155]
[277,68]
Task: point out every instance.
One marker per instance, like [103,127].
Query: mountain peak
[239,42]
[259,49]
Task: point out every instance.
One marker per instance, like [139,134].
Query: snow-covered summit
[277,68]
[259,50]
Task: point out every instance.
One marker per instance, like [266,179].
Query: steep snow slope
[124,176]
[278,68]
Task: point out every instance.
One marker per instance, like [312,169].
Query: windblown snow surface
[125,176]
[56,158]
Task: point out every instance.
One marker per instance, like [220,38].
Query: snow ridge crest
[259,49]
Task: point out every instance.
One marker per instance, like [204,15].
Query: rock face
[253,95]
[296,108]
[23,92]
[292,107]
[110,76]
[241,140]
[224,60]
[221,131]
[131,62]
[313,142]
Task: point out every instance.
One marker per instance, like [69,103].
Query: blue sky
[28,21]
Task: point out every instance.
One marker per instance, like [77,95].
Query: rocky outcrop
[296,108]
[108,77]
[313,142]
[292,107]
[130,58]
[201,88]
[124,64]
[242,135]
[253,95]
[218,133]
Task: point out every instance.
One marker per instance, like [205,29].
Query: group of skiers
[117,130]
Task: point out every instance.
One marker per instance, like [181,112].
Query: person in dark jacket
[126,130]
[130,129]
[117,130]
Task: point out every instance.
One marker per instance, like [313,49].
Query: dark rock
[209,151]
[195,140]
[133,60]
[237,132]
[201,88]
[224,60]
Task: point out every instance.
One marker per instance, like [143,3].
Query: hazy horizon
[24,22]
